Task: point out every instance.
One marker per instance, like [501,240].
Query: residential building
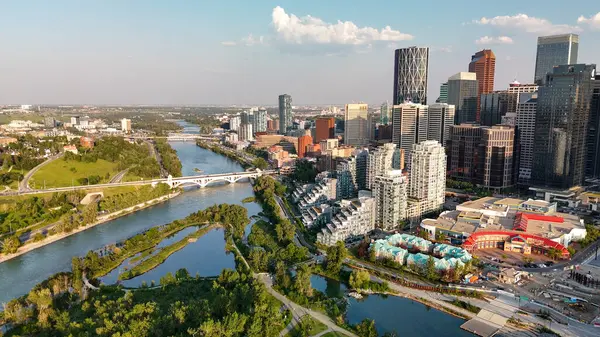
[362,159]
[462,93]
[86,142]
[235,122]
[439,121]
[380,161]
[372,119]
[410,75]
[126,125]
[260,120]
[562,115]
[286,116]
[553,51]
[74,120]
[273,125]
[245,132]
[592,158]
[385,114]
[303,143]
[355,127]
[346,178]
[525,122]
[497,157]
[315,194]
[462,151]
[355,218]
[325,128]
[390,193]
[493,106]
[49,122]
[409,123]
[427,181]
[328,144]
[483,64]
[443,93]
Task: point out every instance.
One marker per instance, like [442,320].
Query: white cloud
[228,43]
[529,24]
[593,21]
[310,30]
[494,40]
[250,40]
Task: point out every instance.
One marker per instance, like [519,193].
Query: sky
[198,52]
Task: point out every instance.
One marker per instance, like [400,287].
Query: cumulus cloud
[494,40]
[228,43]
[529,24]
[291,29]
[593,21]
[250,40]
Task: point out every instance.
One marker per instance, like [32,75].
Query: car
[550,263]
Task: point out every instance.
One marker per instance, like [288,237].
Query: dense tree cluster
[170,160]
[115,202]
[305,171]
[29,151]
[204,122]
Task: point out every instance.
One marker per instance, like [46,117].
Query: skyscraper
[427,183]
[389,191]
[562,116]
[462,150]
[526,131]
[483,64]
[260,120]
[443,93]
[462,93]
[409,123]
[439,121]
[592,165]
[245,132]
[325,128]
[410,75]
[380,161]
[385,114]
[493,106]
[497,157]
[234,123]
[355,126]
[346,178]
[553,51]
[303,142]
[286,117]
[515,89]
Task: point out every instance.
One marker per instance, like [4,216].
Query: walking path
[24,184]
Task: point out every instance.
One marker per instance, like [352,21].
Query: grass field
[334,334]
[61,173]
[15,184]
[316,327]
[108,191]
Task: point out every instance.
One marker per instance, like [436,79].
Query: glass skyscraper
[462,93]
[410,75]
[562,115]
[553,51]
[286,117]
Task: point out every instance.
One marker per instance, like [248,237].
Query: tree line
[170,160]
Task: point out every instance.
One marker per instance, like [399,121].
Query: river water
[207,255]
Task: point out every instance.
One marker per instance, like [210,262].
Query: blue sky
[249,52]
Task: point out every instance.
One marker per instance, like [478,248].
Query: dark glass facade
[553,51]
[493,107]
[562,116]
[462,93]
[286,117]
[592,158]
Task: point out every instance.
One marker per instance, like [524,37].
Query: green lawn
[334,334]
[15,184]
[316,327]
[61,173]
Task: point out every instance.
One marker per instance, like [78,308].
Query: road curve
[24,185]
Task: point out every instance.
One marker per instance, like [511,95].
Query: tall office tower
[439,121]
[346,178]
[355,126]
[427,182]
[389,191]
[562,115]
[380,161]
[592,162]
[385,116]
[526,130]
[126,125]
[462,151]
[409,126]
[553,51]
[483,64]
[443,93]
[372,119]
[303,142]
[410,75]
[234,123]
[497,157]
[493,106]
[462,93]
[325,128]
[260,120]
[245,132]
[515,89]
[362,160]
[286,116]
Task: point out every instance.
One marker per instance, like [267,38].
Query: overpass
[199,180]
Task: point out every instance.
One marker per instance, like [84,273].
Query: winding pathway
[24,184]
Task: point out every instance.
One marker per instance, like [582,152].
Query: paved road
[118,177]
[24,185]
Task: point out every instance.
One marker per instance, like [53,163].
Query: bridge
[199,180]
[179,137]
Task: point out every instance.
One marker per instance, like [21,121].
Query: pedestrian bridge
[204,180]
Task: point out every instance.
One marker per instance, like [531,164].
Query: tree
[335,257]
[366,328]
[359,279]
[10,245]
[430,270]
[440,237]
[90,213]
[285,231]
[260,163]
[302,281]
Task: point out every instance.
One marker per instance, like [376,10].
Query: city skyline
[192,53]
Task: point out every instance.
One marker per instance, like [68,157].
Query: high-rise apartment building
[553,51]
[380,161]
[390,193]
[355,126]
[562,116]
[286,116]
[245,132]
[362,160]
[462,93]
[497,157]
[410,75]
[385,114]
[483,64]
[75,120]
[592,160]
[303,142]
[126,125]
[439,121]
[462,151]
[525,123]
[49,122]
[325,128]
[443,93]
[427,182]
[346,178]
[409,126]
[260,120]
[493,106]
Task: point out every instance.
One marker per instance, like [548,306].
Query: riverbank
[101,219]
